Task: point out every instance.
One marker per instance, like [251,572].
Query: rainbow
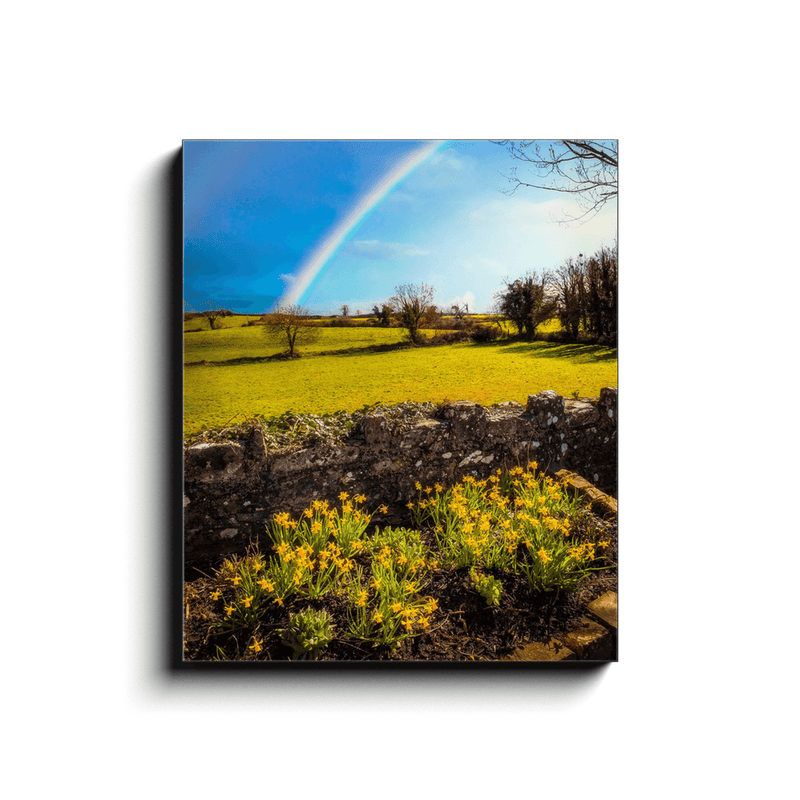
[311,267]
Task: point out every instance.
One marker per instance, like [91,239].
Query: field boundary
[233,489]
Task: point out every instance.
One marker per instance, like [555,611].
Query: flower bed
[482,566]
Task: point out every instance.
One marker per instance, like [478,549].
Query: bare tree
[208,310]
[569,283]
[585,168]
[601,294]
[292,324]
[413,305]
[460,315]
[345,310]
[214,314]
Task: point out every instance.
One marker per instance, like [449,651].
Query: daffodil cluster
[320,523]
[301,570]
[517,521]
[387,605]
[241,591]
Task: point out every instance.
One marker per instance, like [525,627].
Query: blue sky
[325,223]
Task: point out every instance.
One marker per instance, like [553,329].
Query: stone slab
[539,651]
[602,503]
[590,641]
[605,609]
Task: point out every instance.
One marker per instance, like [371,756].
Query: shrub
[309,632]
[485,333]
[489,588]
[445,338]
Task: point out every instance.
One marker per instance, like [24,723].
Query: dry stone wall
[232,489]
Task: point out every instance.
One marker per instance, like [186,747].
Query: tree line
[581,293]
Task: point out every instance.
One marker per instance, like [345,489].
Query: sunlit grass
[215,396]
[222,323]
[250,342]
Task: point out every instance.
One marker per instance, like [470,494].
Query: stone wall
[232,489]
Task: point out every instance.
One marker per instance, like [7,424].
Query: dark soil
[463,628]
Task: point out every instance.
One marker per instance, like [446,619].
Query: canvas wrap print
[400,401]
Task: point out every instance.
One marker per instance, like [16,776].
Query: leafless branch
[584,168]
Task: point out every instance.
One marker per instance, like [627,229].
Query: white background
[703,700]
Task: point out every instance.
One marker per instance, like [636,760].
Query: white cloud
[467,299]
[289,283]
[380,251]
[518,213]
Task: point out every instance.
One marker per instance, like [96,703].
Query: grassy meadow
[202,324]
[242,342]
[220,394]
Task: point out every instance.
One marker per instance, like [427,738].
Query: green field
[224,345]
[215,396]
[202,324]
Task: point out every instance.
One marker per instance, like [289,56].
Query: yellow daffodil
[216,595]
[237,580]
[343,495]
[247,601]
[228,610]
[384,509]
[256,646]
[543,555]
